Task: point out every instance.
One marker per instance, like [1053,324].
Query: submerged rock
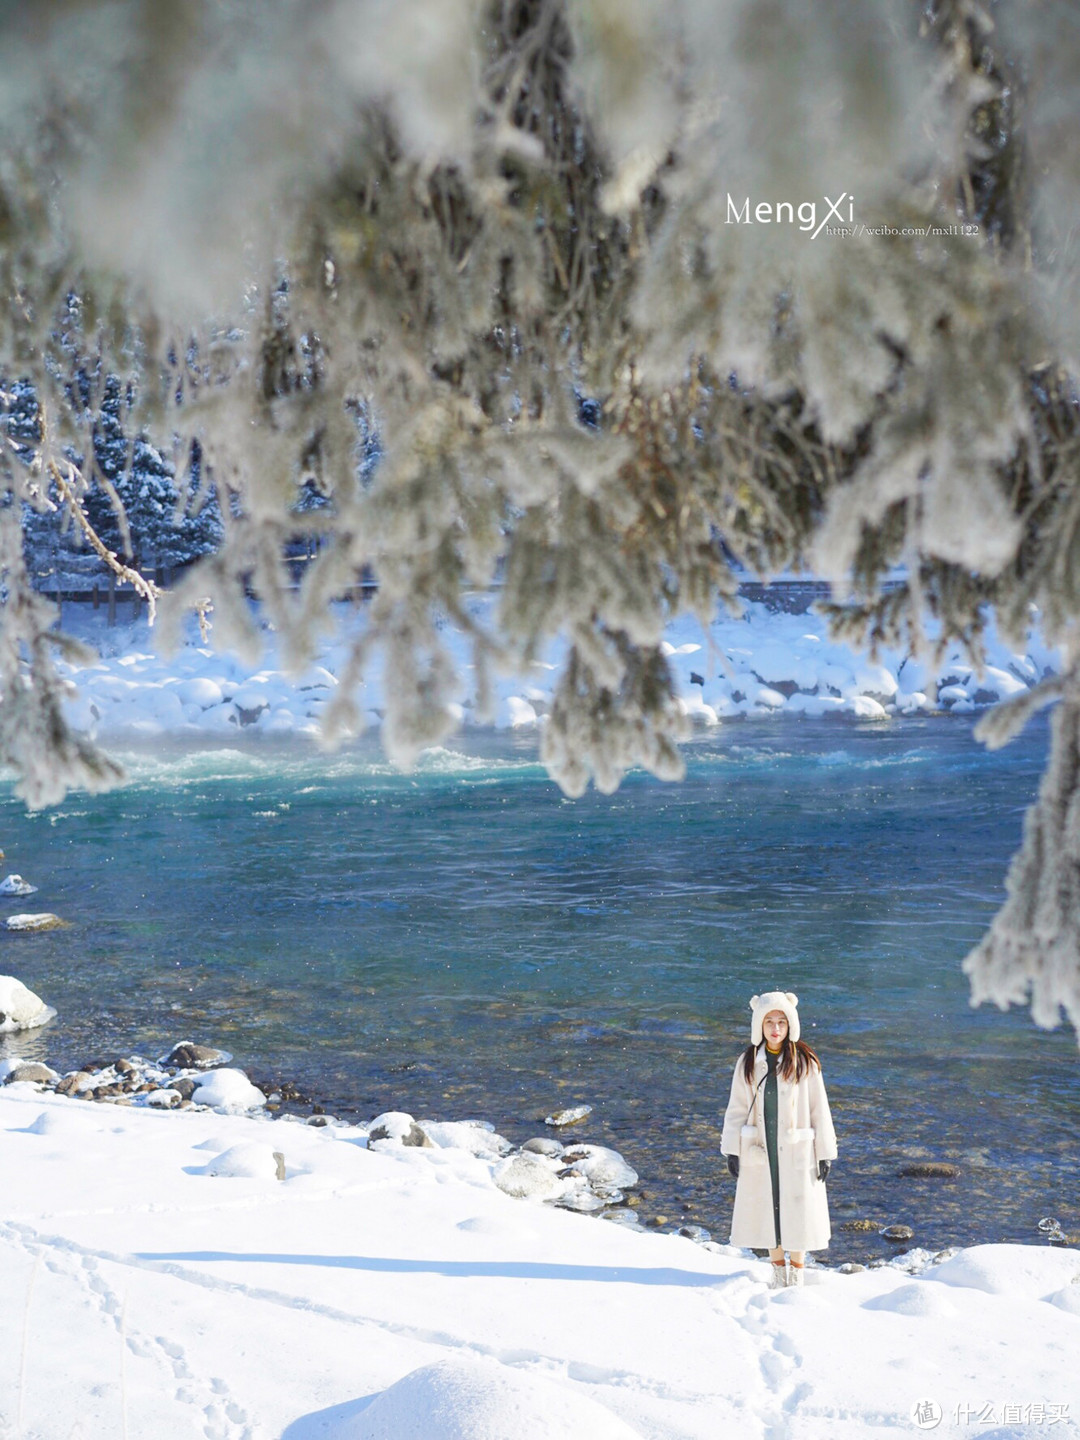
[898,1232]
[928,1169]
[20,1008]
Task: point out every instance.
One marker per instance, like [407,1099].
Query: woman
[779,1140]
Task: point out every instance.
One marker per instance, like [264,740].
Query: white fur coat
[804,1135]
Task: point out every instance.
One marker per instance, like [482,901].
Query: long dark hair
[796,1060]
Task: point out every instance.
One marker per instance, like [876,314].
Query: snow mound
[16,885]
[57,1122]
[20,1008]
[914,1299]
[227,1089]
[1067,1299]
[248,1161]
[471,1399]
[1028,1270]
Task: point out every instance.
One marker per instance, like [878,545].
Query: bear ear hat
[760,1005]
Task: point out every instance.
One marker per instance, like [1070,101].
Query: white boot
[795,1275]
[779,1277]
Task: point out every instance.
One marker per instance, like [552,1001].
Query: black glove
[823,1168]
[732,1165]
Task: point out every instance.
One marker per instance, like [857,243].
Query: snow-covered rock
[601,1166]
[530,1177]
[247,1161]
[465,1398]
[33,921]
[472,1136]
[228,1090]
[20,1008]
[16,885]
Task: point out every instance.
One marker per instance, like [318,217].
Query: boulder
[20,1008]
[42,920]
[32,1071]
[248,1161]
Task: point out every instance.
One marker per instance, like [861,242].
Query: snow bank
[767,662]
[397,1292]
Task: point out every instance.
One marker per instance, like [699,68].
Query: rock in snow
[474,1399]
[20,1008]
[529,1177]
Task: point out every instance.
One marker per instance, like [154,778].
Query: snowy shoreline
[769,662]
[157,1286]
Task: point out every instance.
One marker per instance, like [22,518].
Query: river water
[464,941]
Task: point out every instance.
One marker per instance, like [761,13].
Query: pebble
[927,1169]
[655,1221]
[623,1217]
[862,1226]
[898,1232]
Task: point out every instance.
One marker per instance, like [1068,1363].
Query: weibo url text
[922,231]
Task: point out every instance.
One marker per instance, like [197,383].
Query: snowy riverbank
[769,662]
[145,1295]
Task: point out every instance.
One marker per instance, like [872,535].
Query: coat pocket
[751,1149]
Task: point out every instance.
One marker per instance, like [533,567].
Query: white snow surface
[396,1292]
[768,662]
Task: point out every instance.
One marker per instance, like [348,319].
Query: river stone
[75,1082]
[189,1056]
[184,1087]
[656,1221]
[31,1071]
[622,1216]
[572,1115]
[40,920]
[850,1267]
[862,1227]
[898,1232]
[926,1169]
[543,1145]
